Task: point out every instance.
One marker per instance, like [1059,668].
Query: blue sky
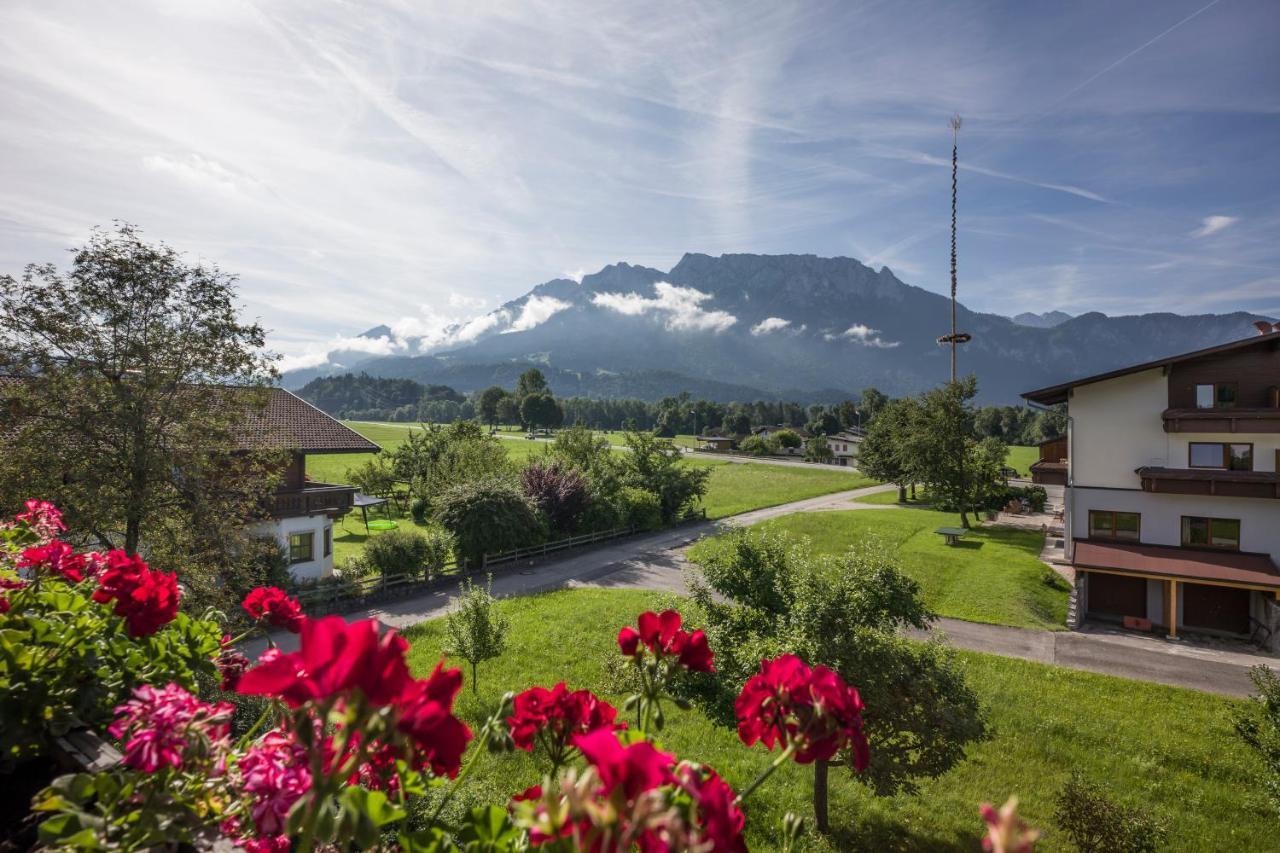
[417,163]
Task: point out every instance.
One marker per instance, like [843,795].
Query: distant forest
[367,398]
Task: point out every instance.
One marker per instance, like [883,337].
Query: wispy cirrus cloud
[1214,224]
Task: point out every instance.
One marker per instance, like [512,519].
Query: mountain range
[746,326]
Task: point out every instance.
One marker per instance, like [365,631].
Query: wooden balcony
[312,499]
[1213,482]
[1222,420]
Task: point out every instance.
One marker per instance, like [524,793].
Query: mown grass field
[994,575]
[1020,458]
[1166,749]
[733,487]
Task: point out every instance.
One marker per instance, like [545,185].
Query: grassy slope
[1020,458]
[1168,749]
[994,575]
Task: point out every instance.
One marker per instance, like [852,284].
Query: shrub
[1097,824]
[788,439]
[439,550]
[817,449]
[487,516]
[559,492]
[398,552]
[639,509]
[1258,725]
[419,508]
[757,446]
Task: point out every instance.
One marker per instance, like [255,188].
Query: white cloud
[864,335]
[536,311]
[315,355]
[680,305]
[469,303]
[1214,224]
[769,324]
[473,329]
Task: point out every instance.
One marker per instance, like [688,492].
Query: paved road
[656,561]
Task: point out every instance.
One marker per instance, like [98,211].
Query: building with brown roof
[1172,475]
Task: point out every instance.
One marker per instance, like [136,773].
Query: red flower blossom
[560,714]
[276,772]
[44,519]
[56,558]
[787,702]
[662,635]
[719,822]
[533,792]
[426,716]
[334,658]
[276,607]
[631,769]
[163,726]
[231,664]
[146,599]
[4,605]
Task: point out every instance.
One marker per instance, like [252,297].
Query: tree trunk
[475,682]
[964,518]
[820,796]
[902,494]
[913,491]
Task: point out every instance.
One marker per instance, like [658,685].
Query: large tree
[135,377]
[944,442]
[887,451]
[487,404]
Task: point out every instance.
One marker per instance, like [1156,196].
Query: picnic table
[951,534]
[363,502]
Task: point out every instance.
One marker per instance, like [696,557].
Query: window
[1213,454]
[328,541]
[1106,524]
[302,547]
[1219,395]
[1211,532]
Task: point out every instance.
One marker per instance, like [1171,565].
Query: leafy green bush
[639,509]
[1258,725]
[755,445]
[398,552]
[419,508]
[488,516]
[439,550]
[1097,824]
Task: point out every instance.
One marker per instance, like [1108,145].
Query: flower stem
[768,771]
[466,770]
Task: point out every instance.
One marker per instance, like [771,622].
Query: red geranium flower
[559,715]
[631,769]
[662,635]
[426,716]
[719,821]
[231,664]
[334,658]
[275,606]
[146,599]
[44,519]
[787,702]
[55,558]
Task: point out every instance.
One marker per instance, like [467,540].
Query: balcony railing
[1222,420]
[313,498]
[1215,482]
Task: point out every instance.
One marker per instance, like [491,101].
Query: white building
[1173,492]
[844,445]
[303,511]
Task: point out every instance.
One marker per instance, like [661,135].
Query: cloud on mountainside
[864,335]
[1214,224]
[770,324]
[536,311]
[681,306]
[319,353]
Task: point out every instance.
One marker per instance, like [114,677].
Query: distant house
[303,511]
[1051,468]
[717,442]
[1172,500]
[844,447]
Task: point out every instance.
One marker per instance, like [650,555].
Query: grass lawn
[1167,749]
[994,575]
[739,487]
[1020,458]
[892,498]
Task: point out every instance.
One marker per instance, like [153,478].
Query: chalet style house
[302,512]
[1172,499]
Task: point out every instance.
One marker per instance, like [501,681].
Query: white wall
[1162,516]
[1116,428]
[282,529]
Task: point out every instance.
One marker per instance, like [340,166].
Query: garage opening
[1215,608]
[1117,596]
